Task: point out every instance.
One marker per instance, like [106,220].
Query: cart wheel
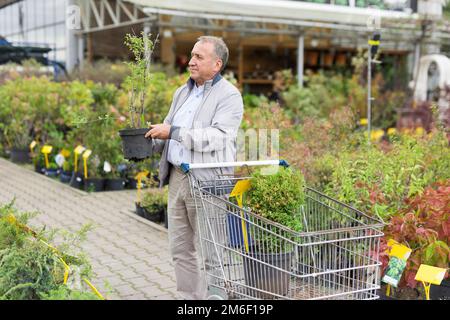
[215,297]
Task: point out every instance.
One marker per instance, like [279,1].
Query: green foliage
[278,197]
[10,233]
[154,200]
[29,268]
[136,83]
[378,181]
[320,94]
[62,292]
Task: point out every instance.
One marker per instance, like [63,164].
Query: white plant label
[106,166]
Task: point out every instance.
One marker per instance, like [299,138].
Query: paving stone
[164,282]
[151,291]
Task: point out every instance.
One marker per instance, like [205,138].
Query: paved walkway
[126,251]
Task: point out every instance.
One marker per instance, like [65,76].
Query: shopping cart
[246,256]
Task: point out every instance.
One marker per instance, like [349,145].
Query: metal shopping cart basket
[336,256]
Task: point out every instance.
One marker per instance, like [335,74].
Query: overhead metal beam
[121,14]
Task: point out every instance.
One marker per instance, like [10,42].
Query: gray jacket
[212,136]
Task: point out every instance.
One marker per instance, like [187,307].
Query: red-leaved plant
[424,226]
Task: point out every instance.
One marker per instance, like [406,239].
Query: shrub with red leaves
[424,226]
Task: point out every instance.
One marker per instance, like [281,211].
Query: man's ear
[219,64]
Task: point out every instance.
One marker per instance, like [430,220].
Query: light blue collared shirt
[177,153]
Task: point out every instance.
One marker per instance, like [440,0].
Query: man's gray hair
[220,48]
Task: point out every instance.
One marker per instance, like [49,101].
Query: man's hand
[159,131]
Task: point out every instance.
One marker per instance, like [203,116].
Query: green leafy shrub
[62,292]
[277,197]
[29,268]
[154,200]
[378,181]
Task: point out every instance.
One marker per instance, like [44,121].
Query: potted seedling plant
[135,146]
[94,180]
[279,198]
[154,204]
[67,170]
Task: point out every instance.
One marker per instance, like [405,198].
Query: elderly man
[201,126]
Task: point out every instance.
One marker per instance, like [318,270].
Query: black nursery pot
[20,155]
[266,277]
[94,184]
[115,184]
[77,180]
[51,172]
[139,210]
[65,176]
[131,183]
[154,216]
[134,144]
[441,292]
[39,169]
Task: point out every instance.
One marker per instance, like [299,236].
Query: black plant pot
[39,169]
[65,176]
[77,180]
[114,184]
[134,144]
[441,292]
[131,183]
[154,216]
[51,172]
[266,277]
[139,210]
[20,155]
[94,184]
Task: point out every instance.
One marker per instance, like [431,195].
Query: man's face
[204,63]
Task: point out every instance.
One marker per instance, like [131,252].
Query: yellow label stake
[139,177]
[46,150]
[32,145]
[429,275]
[86,155]
[238,192]
[77,151]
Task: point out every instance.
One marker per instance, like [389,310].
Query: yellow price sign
[400,251]
[391,242]
[46,149]
[430,274]
[79,149]
[32,145]
[87,153]
[240,187]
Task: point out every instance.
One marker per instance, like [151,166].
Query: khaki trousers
[183,238]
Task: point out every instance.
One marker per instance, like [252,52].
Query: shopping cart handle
[186,167]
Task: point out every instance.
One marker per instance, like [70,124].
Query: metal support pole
[369,92]
[300,59]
